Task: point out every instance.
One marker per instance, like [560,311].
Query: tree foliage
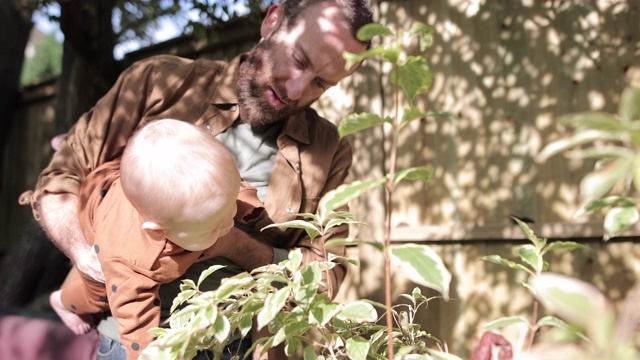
[46,60]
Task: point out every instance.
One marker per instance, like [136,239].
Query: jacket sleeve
[315,250]
[135,304]
[98,136]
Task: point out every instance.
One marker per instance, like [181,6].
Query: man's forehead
[323,35]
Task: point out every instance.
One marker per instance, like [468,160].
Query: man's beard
[255,109]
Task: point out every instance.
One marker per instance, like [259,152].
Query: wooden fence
[506,70]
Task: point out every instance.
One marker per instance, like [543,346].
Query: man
[257,105]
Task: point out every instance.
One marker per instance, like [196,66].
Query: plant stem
[534,320]
[388,301]
[393,150]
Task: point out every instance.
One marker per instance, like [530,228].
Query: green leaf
[221,328]
[555,322]
[636,171]
[208,272]
[537,242]
[305,296]
[423,266]
[357,348]
[618,219]
[323,312]
[424,33]
[599,182]
[367,32]
[310,275]
[311,229]
[411,114]
[424,173]
[563,245]
[181,298]
[577,139]
[337,222]
[414,77]
[358,311]
[599,204]
[245,324]
[292,347]
[573,300]
[530,255]
[229,286]
[342,242]
[389,54]
[416,294]
[601,152]
[552,321]
[629,107]
[295,260]
[343,194]
[508,263]
[188,284]
[503,322]
[297,328]
[350,241]
[358,122]
[309,353]
[273,304]
[592,120]
[278,338]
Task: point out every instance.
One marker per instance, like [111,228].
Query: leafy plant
[613,140]
[588,312]
[532,262]
[285,298]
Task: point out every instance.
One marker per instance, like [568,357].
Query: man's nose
[296,86]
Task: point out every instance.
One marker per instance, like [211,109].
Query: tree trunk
[88,66]
[15,26]
[34,267]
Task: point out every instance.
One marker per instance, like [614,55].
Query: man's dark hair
[356,13]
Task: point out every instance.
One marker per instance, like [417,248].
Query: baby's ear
[154,230]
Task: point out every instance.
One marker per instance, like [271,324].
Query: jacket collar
[296,127]
[225,94]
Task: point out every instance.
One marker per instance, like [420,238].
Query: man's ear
[153,230]
[272,21]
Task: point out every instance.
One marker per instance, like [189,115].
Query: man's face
[291,67]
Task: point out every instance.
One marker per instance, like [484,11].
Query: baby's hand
[87,262]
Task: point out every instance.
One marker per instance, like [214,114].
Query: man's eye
[320,84]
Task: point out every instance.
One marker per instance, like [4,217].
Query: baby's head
[183,182]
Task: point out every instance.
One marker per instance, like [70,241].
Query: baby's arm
[135,304]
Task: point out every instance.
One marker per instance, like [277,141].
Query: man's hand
[59,213]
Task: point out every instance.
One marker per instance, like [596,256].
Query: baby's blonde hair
[172,170]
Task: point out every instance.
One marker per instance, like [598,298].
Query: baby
[149,217]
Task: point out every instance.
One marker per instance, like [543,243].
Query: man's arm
[241,249]
[59,218]
[97,137]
